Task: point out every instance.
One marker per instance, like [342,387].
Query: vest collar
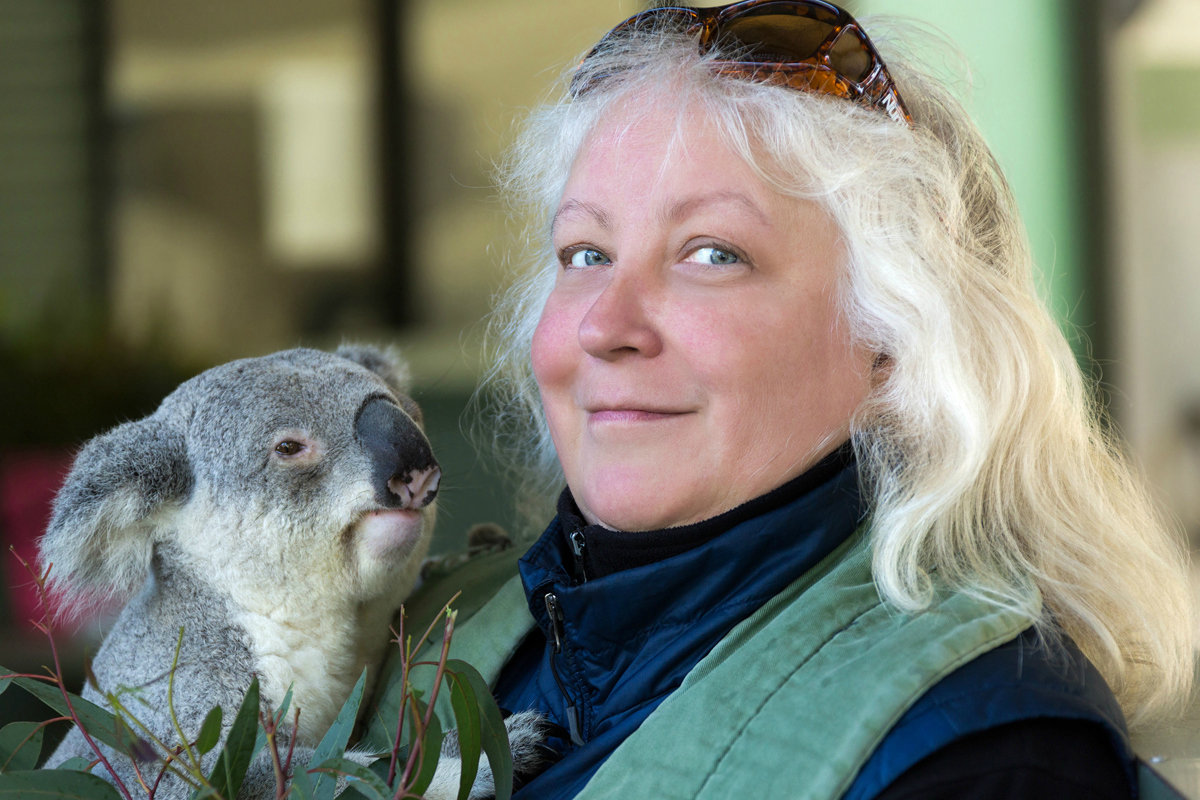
[628,637]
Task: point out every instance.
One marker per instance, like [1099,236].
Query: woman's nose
[619,322]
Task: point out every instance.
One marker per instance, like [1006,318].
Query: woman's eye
[713,256]
[586,257]
[289,448]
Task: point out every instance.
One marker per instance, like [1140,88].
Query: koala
[277,510]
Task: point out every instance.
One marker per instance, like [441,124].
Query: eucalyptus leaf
[45,784]
[467,721]
[492,733]
[77,763]
[285,705]
[362,778]
[333,743]
[20,746]
[100,723]
[230,769]
[210,731]
[4,682]
[301,785]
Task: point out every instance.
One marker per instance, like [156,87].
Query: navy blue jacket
[623,617]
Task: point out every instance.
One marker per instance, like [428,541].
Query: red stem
[48,628]
[404,659]
[429,709]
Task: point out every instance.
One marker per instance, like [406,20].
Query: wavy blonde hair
[983,454]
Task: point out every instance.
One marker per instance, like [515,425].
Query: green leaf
[493,734]
[78,763]
[230,770]
[467,720]
[283,707]
[4,682]
[100,723]
[210,731]
[431,751]
[20,746]
[333,743]
[362,778]
[301,785]
[51,783]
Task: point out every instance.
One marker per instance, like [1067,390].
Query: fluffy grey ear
[389,365]
[100,537]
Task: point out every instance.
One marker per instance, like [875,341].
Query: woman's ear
[101,534]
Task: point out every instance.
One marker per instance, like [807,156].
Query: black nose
[403,469]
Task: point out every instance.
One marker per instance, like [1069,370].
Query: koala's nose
[416,489]
[403,469]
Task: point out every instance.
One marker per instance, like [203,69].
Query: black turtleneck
[603,551]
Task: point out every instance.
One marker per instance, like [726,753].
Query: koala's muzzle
[403,470]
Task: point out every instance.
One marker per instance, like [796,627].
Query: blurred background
[183,183]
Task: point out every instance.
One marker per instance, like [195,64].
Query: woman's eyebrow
[578,209]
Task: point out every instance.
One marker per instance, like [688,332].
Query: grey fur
[282,565]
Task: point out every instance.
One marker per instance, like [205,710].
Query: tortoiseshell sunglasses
[809,45]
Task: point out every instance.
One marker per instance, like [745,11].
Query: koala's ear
[387,364]
[100,538]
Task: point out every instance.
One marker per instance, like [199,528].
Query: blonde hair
[983,454]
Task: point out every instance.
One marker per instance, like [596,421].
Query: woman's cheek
[553,347]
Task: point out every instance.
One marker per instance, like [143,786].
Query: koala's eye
[289,448]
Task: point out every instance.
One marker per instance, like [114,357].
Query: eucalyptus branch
[267,721]
[186,773]
[162,773]
[416,751]
[183,739]
[46,626]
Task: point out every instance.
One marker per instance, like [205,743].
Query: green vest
[753,718]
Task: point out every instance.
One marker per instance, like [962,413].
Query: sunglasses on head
[805,44]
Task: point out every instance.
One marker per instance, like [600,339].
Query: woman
[840,517]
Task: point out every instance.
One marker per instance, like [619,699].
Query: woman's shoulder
[999,704]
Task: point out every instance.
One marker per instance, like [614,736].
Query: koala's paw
[487,537]
[526,733]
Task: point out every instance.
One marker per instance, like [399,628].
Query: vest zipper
[556,619]
[578,545]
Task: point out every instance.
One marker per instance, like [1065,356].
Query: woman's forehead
[673,157]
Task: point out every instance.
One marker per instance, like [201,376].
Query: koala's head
[299,473]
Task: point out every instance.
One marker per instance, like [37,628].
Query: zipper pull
[556,618]
[578,545]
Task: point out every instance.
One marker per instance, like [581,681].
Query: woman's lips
[631,415]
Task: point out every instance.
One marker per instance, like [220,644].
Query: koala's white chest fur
[313,655]
[317,647]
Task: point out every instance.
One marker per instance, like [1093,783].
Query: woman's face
[690,356]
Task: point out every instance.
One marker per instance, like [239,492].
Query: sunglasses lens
[850,56]
[775,37]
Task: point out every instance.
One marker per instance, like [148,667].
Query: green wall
[1022,92]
